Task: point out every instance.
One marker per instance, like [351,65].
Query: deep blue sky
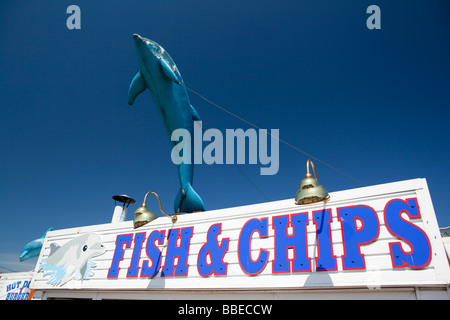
[372,103]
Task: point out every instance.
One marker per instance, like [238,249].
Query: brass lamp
[309,190]
[143,215]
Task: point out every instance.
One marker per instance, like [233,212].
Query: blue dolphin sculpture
[159,74]
[33,248]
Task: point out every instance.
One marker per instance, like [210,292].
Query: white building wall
[378,280]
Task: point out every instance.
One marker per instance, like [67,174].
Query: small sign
[16,290]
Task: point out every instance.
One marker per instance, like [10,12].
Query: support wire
[281,140]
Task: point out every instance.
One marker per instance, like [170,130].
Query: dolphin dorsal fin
[53,248]
[137,86]
[49,229]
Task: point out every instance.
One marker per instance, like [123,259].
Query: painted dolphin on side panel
[160,75]
[33,248]
[72,259]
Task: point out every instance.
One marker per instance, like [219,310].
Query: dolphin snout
[138,40]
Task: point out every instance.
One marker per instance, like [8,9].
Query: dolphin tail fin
[137,86]
[188,201]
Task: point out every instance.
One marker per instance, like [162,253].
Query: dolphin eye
[85,248]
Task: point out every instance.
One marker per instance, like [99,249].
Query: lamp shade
[143,215]
[310,191]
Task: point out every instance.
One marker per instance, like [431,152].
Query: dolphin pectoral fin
[136,87]
[195,115]
[22,255]
[168,72]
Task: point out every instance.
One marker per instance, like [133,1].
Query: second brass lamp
[309,190]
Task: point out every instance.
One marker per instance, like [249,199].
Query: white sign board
[15,286]
[377,236]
